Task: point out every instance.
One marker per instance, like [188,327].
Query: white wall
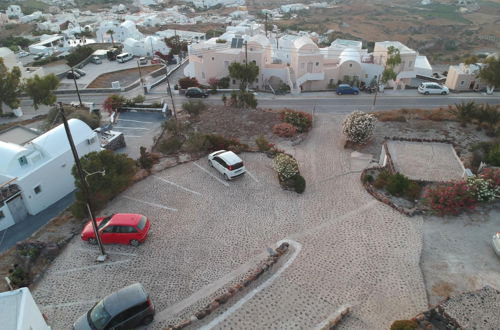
[30,317]
[54,178]
[7,220]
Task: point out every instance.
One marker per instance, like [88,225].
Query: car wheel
[355,93]
[147,320]
[443,93]
[226,177]
[426,93]
[339,93]
[134,242]
[92,241]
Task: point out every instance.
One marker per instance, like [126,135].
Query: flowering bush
[301,120]
[263,144]
[450,198]
[492,175]
[483,189]
[284,130]
[358,126]
[286,166]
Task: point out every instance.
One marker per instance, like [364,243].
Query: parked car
[126,308]
[196,92]
[120,228]
[496,243]
[72,75]
[124,57]
[155,60]
[227,163]
[427,88]
[96,60]
[143,61]
[22,53]
[347,89]
[80,72]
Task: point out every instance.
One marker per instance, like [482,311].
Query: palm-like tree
[111,32]
[464,112]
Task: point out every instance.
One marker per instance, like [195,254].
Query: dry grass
[443,289]
[403,115]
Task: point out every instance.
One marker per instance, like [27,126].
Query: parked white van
[124,57]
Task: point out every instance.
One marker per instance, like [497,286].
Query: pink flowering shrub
[492,175]
[450,198]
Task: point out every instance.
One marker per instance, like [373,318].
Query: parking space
[138,128]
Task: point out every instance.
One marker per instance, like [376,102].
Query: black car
[125,309]
[196,92]
[72,75]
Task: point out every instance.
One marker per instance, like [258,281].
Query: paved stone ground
[354,249]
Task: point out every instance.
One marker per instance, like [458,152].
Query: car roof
[124,298]
[230,157]
[125,219]
[344,85]
[430,83]
[193,88]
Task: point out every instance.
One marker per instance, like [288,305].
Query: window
[203,75]
[137,309]
[226,64]
[366,75]
[350,65]
[410,64]
[142,223]
[251,49]
[23,161]
[213,58]
[254,62]
[38,189]
[109,229]
[317,63]
[2,215]
[462,83]
[91,140]
[234,81]
[125,229]
[302,65]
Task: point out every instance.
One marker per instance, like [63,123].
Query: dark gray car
[122,310]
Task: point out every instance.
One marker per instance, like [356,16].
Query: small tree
[10,82]
[119,170]
[114,102]
[246,74]
[393,60]
[247,100]
[41,90]
[213,83]
[490,73]
[111,32]
[194,107]
[490,116]
[358,127]
[145,161]
[464,112]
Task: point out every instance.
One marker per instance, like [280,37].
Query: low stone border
[261,268]
[382,198]
[336,318]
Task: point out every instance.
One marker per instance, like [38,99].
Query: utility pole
[140,74]
[246,65]
[265,25]
[169,90]
[83,182]
[76,86]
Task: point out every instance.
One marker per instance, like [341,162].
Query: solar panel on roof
[237,43]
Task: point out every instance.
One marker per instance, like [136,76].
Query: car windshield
[104,222]
[142,223]
[98,316]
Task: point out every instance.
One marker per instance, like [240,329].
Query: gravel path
[354,249]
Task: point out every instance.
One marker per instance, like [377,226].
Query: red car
[121,228]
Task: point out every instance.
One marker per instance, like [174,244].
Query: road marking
[176,185]
[70,304]
[251,175]
[251,294]
[213,176]
[152,204]
[138,121]
[126,127]
[91,267]
[107,252]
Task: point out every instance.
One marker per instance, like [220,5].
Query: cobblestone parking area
[354,250]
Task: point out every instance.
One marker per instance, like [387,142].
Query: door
[310,67]
[17,208]
[219,165]
[108,235]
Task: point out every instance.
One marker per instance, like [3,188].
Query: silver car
[227,163]
[496,243]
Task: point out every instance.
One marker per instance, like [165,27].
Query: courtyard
[353,250]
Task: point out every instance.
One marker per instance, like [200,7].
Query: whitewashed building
[14,11]
[121,32]
[35,171]
[19,311]
[145,47]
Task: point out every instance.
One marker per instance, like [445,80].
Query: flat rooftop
[427,161]
[18,135]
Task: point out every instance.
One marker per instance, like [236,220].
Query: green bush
[175,127]
[301,120]
[263,144]
[145,161]
[404,325]
[397,184]
[119,173]
[194,107]
[382,179]
[224,82]
[493,157]
[187,82]
[218,142]
[53,118]
[286,166]
[368,178]
[138,99]
[170,145]
[79,54]
[197,142]
[299,184]
[19,277]
[88,118]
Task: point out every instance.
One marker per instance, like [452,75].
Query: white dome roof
[302,41]
[350,54]
[9,152]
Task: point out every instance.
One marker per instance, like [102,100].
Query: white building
[18,311]
[35,171]
[145,47]
[4,19]
[294,7]
[212,3]
[14,11]
[183,35]
[32,17]
[10,61]
[121,32]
